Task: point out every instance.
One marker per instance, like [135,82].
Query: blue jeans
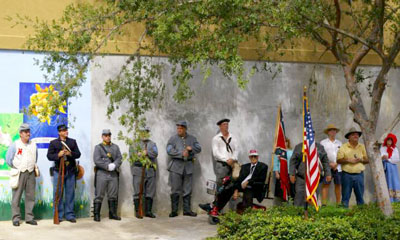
[66,203]
[352,181]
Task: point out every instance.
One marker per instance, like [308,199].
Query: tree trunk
[374,156]
[378,174]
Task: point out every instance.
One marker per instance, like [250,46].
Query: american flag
[310,155]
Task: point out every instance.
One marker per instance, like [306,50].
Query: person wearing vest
[107,159]
[182,149]
[225,151]
[22,155]
[149,149]
[67,148]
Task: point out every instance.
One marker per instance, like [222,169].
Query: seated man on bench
[251,182]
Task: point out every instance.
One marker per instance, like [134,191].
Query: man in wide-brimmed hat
[331,146]
[353,157]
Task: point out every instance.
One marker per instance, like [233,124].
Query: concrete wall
[252,113]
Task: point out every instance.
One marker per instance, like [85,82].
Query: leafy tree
[207,32]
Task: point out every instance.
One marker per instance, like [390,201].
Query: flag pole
[273,153]
[304,160]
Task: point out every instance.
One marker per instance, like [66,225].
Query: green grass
[43,210]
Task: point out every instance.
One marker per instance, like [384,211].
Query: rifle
[60,181]
[140,212]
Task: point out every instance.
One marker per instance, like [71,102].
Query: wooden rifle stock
[59,194]
[140,212]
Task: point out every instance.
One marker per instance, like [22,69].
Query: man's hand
[189,148]
[111,167]
[230,162]
[333,165]
[144,153]
[384,157]
[244,184]
[292,179]
[61,154]
[328,178]
[68,153]
[277,176]
[235,195]
[185,153]
[354,160]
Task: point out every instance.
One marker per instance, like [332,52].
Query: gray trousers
[181,183]
[300,197]
[26,183]
[221,171]
[149,187]
[106,183]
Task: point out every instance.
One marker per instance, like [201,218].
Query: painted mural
[30,95]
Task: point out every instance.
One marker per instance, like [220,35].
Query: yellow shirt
[347,151]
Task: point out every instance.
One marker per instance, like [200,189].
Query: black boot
[96,211]
[136,203]
[206,207]
[149,206]
[187,211]
[112,209]
[174,205]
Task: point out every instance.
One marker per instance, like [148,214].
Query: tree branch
[347,34]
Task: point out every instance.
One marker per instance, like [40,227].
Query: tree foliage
[202,33]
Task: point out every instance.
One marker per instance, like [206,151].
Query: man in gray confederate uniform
[107,159]
[148,148]
[182,149]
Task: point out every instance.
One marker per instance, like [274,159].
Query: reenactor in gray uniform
[182,149]
[297,171]
[147,148]
[107,159]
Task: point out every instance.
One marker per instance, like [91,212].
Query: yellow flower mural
[45,103]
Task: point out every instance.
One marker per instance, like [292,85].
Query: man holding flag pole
[307,160]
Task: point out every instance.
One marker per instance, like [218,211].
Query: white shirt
[395,155]
[251,173]
[219,148]
[331,149]
[25,156]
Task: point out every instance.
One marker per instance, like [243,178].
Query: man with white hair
[22,157]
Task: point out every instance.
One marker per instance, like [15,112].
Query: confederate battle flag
[280,151]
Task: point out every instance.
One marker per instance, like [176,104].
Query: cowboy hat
[330,127]
[352,130]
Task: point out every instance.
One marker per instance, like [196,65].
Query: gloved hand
[111,167]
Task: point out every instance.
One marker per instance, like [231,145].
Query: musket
[141,188]
[60,183]
[140,212]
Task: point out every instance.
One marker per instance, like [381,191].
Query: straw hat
[330,127]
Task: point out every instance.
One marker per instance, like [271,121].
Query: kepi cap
[106,132]
[182,123]
[62,127]
[24,127]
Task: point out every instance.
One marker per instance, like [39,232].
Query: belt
[139,164]
[223,163]
[352,173]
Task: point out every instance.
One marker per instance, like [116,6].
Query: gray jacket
[297,166]
[152,153]
[175,147]
[101,160]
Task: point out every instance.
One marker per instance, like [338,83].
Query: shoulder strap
[107,153]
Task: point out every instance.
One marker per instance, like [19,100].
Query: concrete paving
[160,228]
